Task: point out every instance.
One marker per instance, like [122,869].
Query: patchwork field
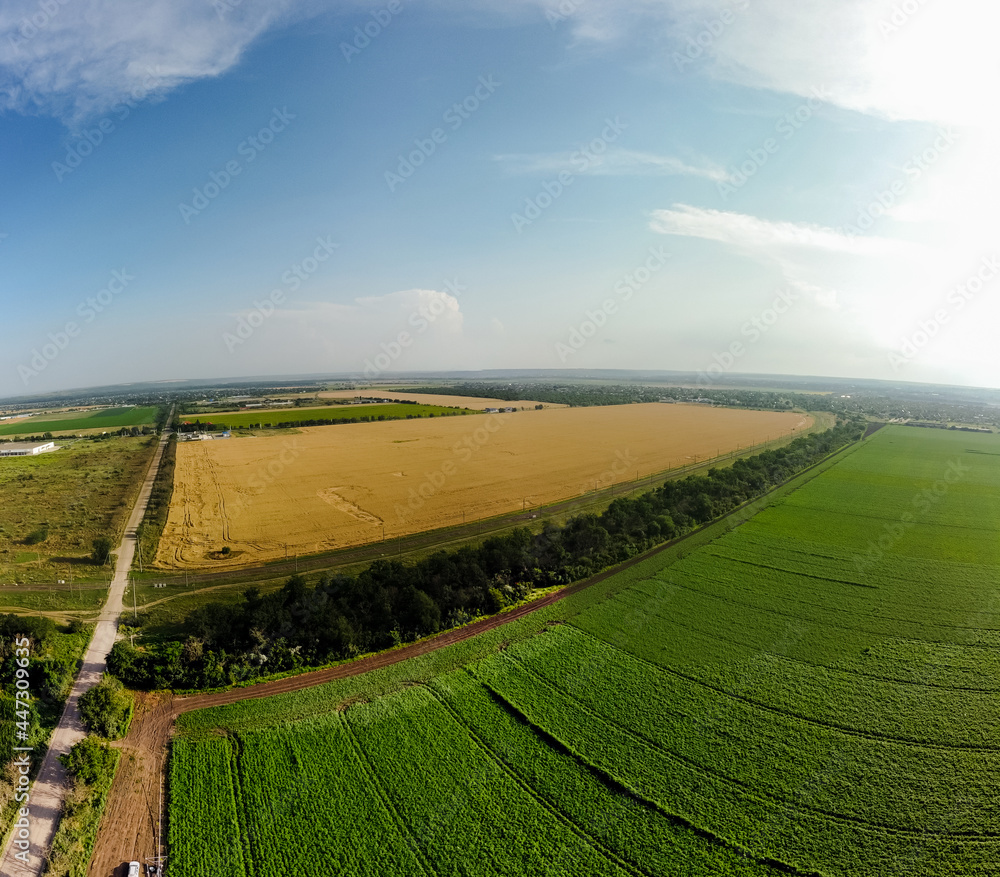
[267,497]
[476,403]
[270,417]
[814,692]
[87,421]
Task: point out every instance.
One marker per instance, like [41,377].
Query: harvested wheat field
[330,487]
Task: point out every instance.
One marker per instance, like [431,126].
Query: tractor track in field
[128,829]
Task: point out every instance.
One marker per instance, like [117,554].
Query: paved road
[51,785]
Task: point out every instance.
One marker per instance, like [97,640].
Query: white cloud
[750,233]
[613,162]
[932,61]
[934,64]
[74,60]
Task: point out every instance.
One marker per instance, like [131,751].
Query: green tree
[90,760]
[106,709]
[102,550]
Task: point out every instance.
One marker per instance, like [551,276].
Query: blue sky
[215,190]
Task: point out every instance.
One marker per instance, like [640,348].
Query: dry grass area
[331,487]
[476,403]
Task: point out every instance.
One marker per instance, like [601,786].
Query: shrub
[106,709]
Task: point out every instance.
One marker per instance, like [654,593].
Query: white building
[26,449]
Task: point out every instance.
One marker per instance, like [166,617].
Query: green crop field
[79,421]
[813,692]
[233,420]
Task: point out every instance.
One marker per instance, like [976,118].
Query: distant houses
[201,436]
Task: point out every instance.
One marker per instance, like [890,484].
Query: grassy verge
[155,519]
[83,807]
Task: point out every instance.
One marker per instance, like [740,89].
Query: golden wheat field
[331,487]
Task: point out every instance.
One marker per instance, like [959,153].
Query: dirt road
[46,800]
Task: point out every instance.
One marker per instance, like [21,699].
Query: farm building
[26,449]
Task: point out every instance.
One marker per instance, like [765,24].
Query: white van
[133,869]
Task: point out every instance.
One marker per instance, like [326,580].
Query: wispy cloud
[611,163]
[750,233]
[75,60]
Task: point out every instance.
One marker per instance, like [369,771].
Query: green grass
[155,517]
[74,602]
[373,412]
[76,494]
[813,691]
[108,418]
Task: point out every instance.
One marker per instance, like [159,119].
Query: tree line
[389,602]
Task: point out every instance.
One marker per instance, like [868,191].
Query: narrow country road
[51,785]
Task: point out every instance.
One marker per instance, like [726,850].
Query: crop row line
[843,729]
[752,793]
[239,801]
[387,804]
[542,800]
[827,667]
[618,786]
[843,610]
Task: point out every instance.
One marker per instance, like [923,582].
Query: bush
[106,709]
[102,550]
[90,761]
[36,536]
